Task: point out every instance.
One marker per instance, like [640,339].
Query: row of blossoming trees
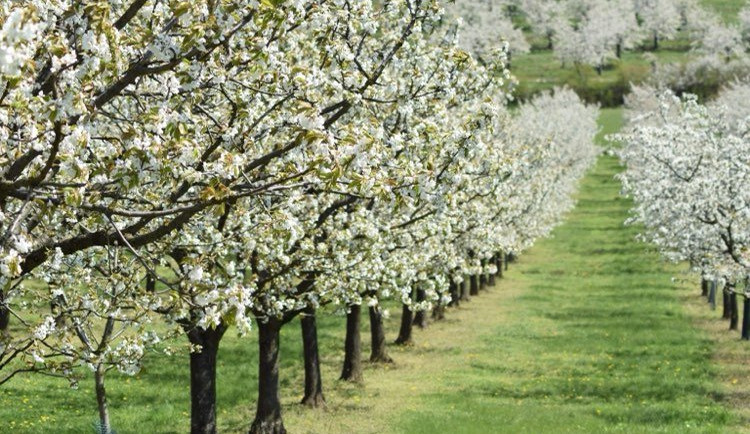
[596,32]
[173,168]
[688,169]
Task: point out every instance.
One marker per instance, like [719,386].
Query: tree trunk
[438,313]
[4,313]
[733,314]
[483,276]
[464,291]
[746,319]
[500,264]
[712,294]
[101,401]
[726,310]
[268,414]
[656,42]
[599,69]
[474,282]
[493,261]
[352,370]
[313,381]
[704,287]
[203,379]
[549,42]
[378,353]
[455,294]
[618,50]
[404,333]
[420,316]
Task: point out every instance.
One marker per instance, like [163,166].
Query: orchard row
[171,169]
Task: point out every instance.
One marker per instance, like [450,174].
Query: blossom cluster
[686,165]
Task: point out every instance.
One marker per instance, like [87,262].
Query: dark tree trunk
[378,353]
[599,69]
[704,287]
[438,313]
[618,50]
[733,314]
[268,414]
[404,333]
[493,261]
[474,282]
[549,42]
[712,294]
[313,381]
[455,294]
[101,401]
[420,316]
[726,310]
[203,379]
[500,264]
[656,42]
[4,313]
[352,370]
[464,290]
[483,276]
[746,319]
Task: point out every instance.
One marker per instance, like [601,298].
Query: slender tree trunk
[464,290]
[712,294]
[656,42]
[268,415]
[599,69]
[493,261]
[483,276]
[438,313]
[746,319]
[378,353]
[704,287]
[618,50]
[474,282]
[455,294]
[726,310]
[500,264]
[352,370]
[549,42]
[4,313]
[404,333]
[733,314]
[313,380]
[101,401]
[420,316]
[203,379]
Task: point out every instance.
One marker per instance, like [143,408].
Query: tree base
[314,401]
[273,426]
[381,358]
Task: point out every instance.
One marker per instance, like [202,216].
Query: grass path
[594,336]
[587,333]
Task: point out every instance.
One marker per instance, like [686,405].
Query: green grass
[728,9]
[598,339]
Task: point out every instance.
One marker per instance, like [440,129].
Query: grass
[727,9]
[587,333]
[597,338]
[540,70]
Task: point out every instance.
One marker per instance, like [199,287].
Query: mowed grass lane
[594,338]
